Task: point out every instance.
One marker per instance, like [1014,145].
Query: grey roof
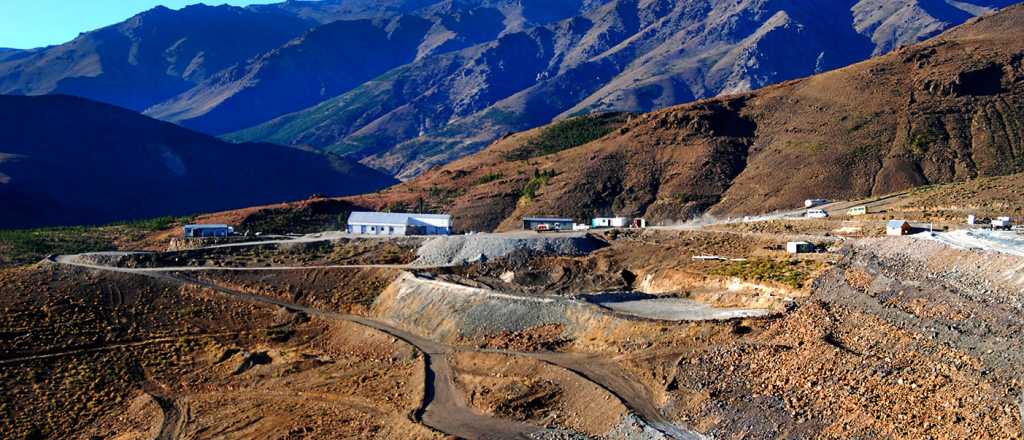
[896,224]
[391,218]
[213,226]
[547,219]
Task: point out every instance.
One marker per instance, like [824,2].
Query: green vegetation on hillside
[25,246]
[539,179]
[793,273]
[567,134]
[488,178]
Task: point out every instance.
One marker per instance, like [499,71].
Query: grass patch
[567,134]
[792,273]
[488,178]
[25,246]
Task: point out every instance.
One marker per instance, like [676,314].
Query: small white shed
[799,247]
[609,222]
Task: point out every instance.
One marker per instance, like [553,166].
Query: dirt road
[613,378]
[444,408]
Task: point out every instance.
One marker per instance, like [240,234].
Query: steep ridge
[325,61]
[616,55]
[335,58]
[945,110]
[67,160]
[149,57]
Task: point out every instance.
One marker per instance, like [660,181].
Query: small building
[196,231]
[857,210]
[610,222]
[393,223]
[810,203]
[639,223]
[548,224]
[799,247]
[898,227]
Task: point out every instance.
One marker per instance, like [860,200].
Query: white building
[610,222]
[390,223]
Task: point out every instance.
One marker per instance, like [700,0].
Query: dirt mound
[448,250]
[530,390]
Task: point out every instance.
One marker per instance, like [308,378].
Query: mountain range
[949,109]
[68,160]
[404,85]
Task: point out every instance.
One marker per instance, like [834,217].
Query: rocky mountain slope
[945,110]
[337,57]
[67,160]
[149,57]
[616,55]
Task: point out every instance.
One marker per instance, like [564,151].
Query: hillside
[945,110]
[66,160]
[337,57]
[150,57]
[615,55]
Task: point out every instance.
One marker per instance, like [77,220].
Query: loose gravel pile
[461,249]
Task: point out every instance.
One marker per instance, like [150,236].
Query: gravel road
[444,408]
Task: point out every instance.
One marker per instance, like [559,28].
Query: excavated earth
[879,338]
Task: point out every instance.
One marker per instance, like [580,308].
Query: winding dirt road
[444,407]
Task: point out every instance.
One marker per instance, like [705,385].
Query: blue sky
[34,23]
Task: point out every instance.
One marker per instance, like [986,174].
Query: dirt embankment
[486,318]
[344,290]
[107,354]
[299,252]
[526,389]
[900,340]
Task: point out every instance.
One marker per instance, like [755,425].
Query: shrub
[488,178]
[567,134]
[540,178]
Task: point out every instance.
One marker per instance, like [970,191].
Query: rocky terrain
[323,335]
[946,110]
[406,85]
[620,55]
[70,161]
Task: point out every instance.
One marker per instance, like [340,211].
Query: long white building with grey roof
[393,223]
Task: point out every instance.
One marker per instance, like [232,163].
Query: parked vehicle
[1002,223]
[816,213]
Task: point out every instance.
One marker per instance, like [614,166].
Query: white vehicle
[1003,223]
[816,213]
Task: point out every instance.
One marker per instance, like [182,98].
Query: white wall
[435,222]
